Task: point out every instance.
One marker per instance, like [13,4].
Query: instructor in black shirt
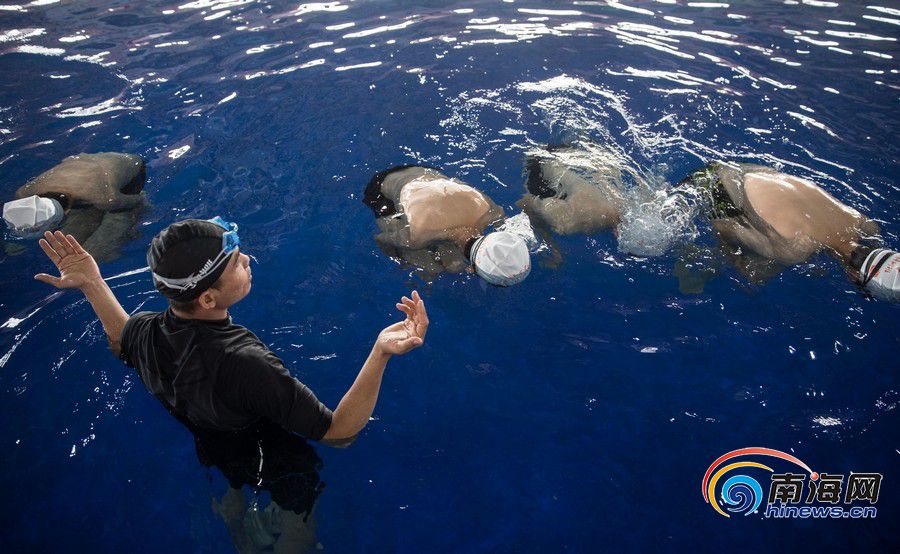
[199,364]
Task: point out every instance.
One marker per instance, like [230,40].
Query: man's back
[218,375]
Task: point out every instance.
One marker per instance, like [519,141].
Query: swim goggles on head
[230,242]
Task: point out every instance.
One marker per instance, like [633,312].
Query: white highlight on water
[654,221]
[520,225]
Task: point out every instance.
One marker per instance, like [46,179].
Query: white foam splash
[654,221]
[520,225]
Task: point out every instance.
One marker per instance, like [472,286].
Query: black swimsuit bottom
[705,186]
[536,184]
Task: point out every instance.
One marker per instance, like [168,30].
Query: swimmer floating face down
[437,223]
[97,198]
[759,210]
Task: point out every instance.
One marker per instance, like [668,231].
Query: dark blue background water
[577,411]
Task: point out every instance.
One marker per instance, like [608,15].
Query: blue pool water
[577,411]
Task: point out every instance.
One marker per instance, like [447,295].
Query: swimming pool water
[577,411]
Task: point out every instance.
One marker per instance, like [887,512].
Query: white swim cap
[880,274]
[501,258]
[30,217]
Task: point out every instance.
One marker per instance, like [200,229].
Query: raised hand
[403,336]
[76,267]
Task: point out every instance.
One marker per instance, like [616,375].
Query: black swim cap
[180,251]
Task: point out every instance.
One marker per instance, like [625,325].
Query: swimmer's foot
[696,265]
[692,278]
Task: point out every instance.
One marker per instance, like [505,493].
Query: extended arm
[77,269]
[357,405]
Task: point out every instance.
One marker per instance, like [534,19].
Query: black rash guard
[218,375]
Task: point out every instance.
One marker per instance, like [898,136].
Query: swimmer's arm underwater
[78,270]
[356,407]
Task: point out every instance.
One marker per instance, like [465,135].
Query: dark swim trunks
[265,458]
[705,187]
[381,205]
[535,183]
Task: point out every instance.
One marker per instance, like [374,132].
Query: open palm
[403,336]
[76,267]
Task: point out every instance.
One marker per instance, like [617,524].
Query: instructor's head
[198,266]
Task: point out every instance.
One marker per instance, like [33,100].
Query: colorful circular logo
[741,494]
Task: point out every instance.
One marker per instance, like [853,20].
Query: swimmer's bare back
[95,179]
[438,209]
[796,218]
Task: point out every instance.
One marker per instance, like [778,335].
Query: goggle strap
[190,282]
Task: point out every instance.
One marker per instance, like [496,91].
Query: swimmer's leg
[387,245]
[394,241]
[425,259]
[756,269]
[750,251]
[696,265]
[450,256]
[231,509]
[394,232]
[542,230]
[555,258]
[231,506]
[527,205]
[736,231]
[129,202]
[114,230]
[81,222]
[298,533]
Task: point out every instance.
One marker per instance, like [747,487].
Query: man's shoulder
[141,320]
[137,337]
[146,315]
[244,349]
[248,363]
